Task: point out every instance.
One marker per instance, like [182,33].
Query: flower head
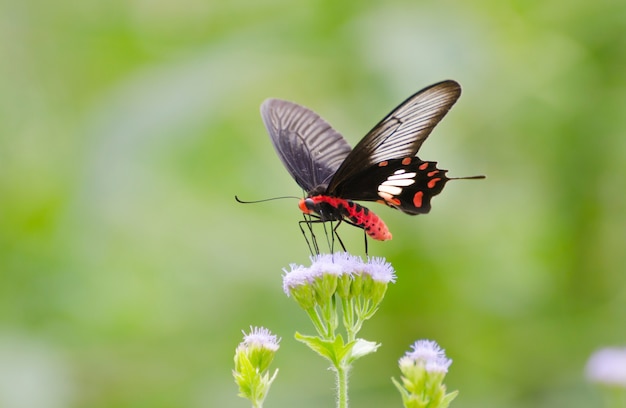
[337,264]
[262,338]
[429,354]
[297,276]
[608,367]
[423,371]
[341,279]
[377,273]
[380,270]
[316,284]
[339,273]
[258,347]
[252,359]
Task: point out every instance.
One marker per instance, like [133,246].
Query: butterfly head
[307,205]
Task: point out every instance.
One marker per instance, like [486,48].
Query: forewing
[308,146]
[401,133]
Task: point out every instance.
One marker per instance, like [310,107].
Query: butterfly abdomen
[334,208]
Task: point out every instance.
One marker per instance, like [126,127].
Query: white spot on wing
[393,190]
[385,196]
[402,176]
[401,182]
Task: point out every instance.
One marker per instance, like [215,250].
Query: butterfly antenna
[264,200]
[468,177]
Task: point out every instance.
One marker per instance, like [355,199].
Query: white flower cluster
[338,264]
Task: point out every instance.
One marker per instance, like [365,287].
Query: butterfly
[382,167]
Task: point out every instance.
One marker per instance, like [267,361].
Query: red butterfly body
[335,209]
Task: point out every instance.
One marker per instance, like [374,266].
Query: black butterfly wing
[308,146]
[399,135]
[405,184]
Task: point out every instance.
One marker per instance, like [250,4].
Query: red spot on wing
[432,182]
[417,199]
[406,161]
[432,173]
[394,201]
[383,163]
[423,166]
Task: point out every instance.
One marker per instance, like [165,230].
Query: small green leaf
[334,351]
[448,399]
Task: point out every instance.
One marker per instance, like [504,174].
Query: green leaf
[334,351]
[448,399]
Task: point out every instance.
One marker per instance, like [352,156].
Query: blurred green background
[127,270]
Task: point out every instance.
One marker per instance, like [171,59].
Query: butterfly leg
[354,225]
[313,247]
[335,234]
[312,244]
[365,238]
[330,240]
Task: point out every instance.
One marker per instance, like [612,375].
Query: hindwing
[406,184]
[308,146]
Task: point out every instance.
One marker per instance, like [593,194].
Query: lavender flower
[339,273]
[252,359]
[380,270]
[608,367]
[429,354]
[338,287]
[296,283]
[338,263]
[260,337]
[423,371]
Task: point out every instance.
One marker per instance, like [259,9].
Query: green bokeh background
[127,270]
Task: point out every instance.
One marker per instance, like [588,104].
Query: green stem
[348,318]
[342,384]
[329,317]
[315,318]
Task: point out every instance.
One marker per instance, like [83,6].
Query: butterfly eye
[309,204]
